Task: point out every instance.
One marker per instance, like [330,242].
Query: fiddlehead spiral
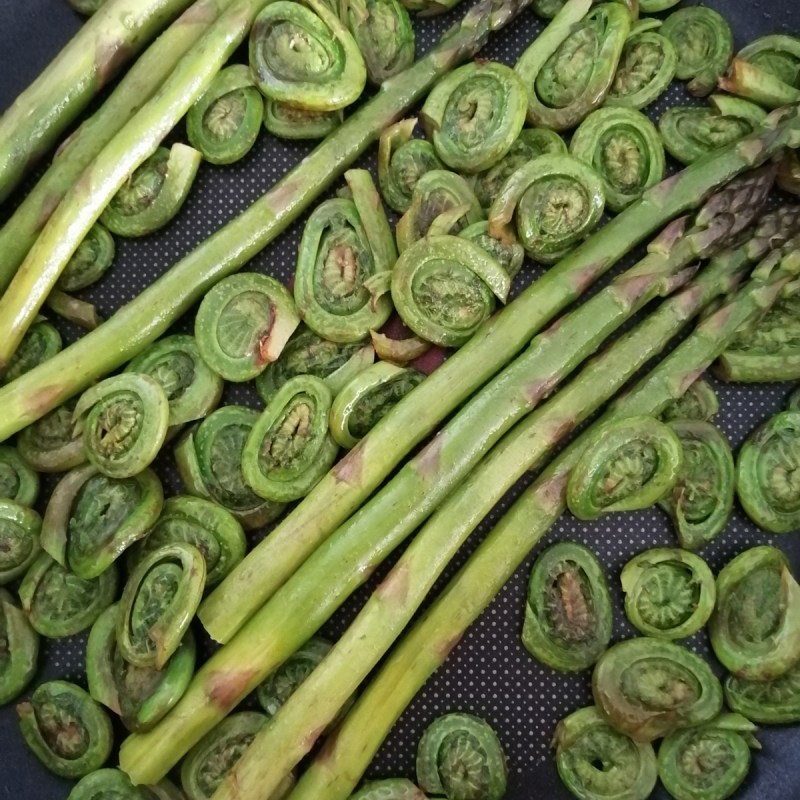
[628,464]
[460,756]
[669,593]
[363,402]
[158,603]
[626,151]
[123,421]
[90,261]
[19,650]
[243,324]
[510,256]
[154,193]
[709,762]
[50,444]
[768,702]
[549,205]
[42,341]
[19,539]
[699,402]
[67,731]
[288,122]
[755,628]
[92,519]
[18,482]
[225,122]
[596,761]
[305,56]
[110,784]
[648,687]
[568,613]
[389,789]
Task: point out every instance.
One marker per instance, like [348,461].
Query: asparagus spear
[290,735]
[139,84]
[141,322]
[314,592]
[33,123]
[340,764]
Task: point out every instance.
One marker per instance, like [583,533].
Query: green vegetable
[699,403]
[399,351]
[789,173]
[778,54]
[709,762]
[19,537]
[109,784]
[669,593]
[583,740]
[87,7]
[76,311]
[90,261]
[50,444]
[67,731]
[547,8]
[389,789]
[769,702]
[568,611]
[91,519]
[755,629]
[40,343]
[287,122]
[757,85]
[510,256]
[19,650]
[225,122]
[461,757]
[18,482]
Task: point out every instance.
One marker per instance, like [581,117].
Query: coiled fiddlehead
[549,205]
[225,122]
[289,448]
[364,401]
[777,54]
[90,261]
[19,539]
[158,603]
[669,593]
[207,526]
[699,402]
[18,482]
[510,256]
[629,464]
[154,193]
[648,687]
[141,696]
[124,421]
[627,769]
[768,702]
[19,650]
[67,731]
[568,613]
[626,151]
[50,444]
[709,762]
[111,784]
[243,324]
[389,789]
[767,474]
[474,115]
[288,122]
[755,628]
[92,519]
[460,756]
[444,287]
[41,342]
[569,68]
[305,56]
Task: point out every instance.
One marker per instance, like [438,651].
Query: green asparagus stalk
[137,87]
[498,340]
[114,35]
[142,321]
[291,734]
[346,755]
[335,570]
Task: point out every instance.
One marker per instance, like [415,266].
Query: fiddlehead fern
[549,205]
[460,756]
[19,539]
[243,324]
[398,351]
[67,731]
[444,287]
[648,687]
[109,784]
[305,56]
[154,193]
[570,67]
[389,789]
[568,613]
[158,603]
[699,402]
[90,261]
[225,122]
[701,500]
[768,702]
[474,115]
[50,444]
[124,421]
[703,41]
[669,593]
[709,762]
[510,256]
[18,482]
[19,650]
[629,464]
[625,149]
[767,473]
[596,761]
[141,696]
[288,122]
[778,54]
[367,398]
[92,519]
[755,628]
[42,341]
[289,448]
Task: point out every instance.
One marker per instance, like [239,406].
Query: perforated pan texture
[489,673]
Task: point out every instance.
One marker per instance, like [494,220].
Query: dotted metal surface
[489,673]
